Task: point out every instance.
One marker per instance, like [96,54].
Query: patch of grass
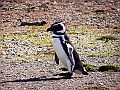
[116,27]
[25,61]
[116,54]
[1,35]
[102,54]
[92,55]
[92,68]
[32,34]
[22,60]
[43,28]
[89,67]
[109,68]
[107,38]
[4,46]
[79,30]
[97,88]
[73,31]
[63,69]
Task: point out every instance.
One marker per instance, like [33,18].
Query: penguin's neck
[58,36]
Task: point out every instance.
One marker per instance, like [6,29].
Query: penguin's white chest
[60,51]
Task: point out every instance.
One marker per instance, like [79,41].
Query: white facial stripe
[62,31]
[63,26]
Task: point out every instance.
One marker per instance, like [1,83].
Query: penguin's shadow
[42,78]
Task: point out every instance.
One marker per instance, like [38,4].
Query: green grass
[89,67]
[92,68]
[109,68]
[93,55]
[82,37]
[43,28]
[97,88]
[116,27]
[107,37]
[63,68]
[103,54]
[34,34]
[93,43]
[79,30]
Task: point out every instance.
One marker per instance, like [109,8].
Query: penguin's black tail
[84,72]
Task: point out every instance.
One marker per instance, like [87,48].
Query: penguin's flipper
[70,51]
[56,59]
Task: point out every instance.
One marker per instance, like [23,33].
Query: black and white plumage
[64,50]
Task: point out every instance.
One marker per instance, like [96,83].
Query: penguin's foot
[81,72]
[77,71]
[68,75]
[85,73]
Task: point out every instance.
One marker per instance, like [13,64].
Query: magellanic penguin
[65,51]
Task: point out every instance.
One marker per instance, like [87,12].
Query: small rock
[101,84]
[2,53]
[91,83]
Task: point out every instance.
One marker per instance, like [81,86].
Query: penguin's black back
[78,64]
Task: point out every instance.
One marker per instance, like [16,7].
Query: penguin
[65,51]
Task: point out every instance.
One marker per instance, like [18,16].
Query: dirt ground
[43,76]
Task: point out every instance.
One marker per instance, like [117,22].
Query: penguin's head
[57,28]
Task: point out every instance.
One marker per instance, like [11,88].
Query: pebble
[2,53]
[100,84]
